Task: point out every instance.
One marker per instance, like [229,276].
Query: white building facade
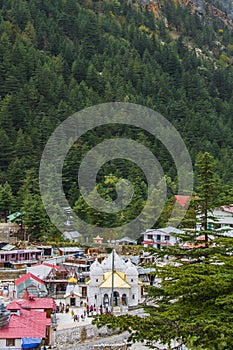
[158,238]
[222,218]
[123,276]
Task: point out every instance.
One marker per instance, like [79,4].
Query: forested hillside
[58,57]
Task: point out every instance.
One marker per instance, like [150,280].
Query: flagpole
[112,280]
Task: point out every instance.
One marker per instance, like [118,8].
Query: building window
[97,280]
[133,296]
[131,279]
[158,237]
[150,236]
[10,342]
[167,238]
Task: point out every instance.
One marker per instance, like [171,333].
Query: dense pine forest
[58,57]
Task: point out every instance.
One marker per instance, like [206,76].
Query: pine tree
[208,188]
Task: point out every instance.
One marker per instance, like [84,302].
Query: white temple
[123,276]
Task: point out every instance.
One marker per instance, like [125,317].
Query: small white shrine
[124,278]
[72,295]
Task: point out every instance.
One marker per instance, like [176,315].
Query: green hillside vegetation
[58,57]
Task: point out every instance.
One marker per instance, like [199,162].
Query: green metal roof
[14,216]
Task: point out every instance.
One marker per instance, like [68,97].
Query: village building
[30,318]
[32,283]
[126,241]
[158,238]
[70,251]
[72,236]
[19,258]
[198,243]
[221,219]
[113,274]
[57,277]
[57,280]
[98,240]
[46,250]
[26,329]
[41,270]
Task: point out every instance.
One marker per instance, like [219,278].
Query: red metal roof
[28,323]
[148,242]
[33,303]
[27,276]
[156,242]
[51,265]
[227,208]
[39,303]
[182,200]
[14,305]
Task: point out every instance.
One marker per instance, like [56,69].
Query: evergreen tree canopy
[59,57]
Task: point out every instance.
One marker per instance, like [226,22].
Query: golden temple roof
[118,280]
[72,280]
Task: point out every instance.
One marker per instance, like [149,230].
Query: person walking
[72,313]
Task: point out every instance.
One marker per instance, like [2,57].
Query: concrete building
[32,283]
[161,237]
[124,278]
[222,218]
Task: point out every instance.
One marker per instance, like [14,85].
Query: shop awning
[30,343]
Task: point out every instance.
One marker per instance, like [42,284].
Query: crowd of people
[87,311]
[77,317]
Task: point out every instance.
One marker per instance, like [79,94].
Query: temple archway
[124,301]
[116,299]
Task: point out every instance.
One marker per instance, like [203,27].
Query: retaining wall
[71,336]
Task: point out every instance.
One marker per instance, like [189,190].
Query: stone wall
[72,336]
[110,347]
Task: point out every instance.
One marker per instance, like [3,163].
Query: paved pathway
[65,320]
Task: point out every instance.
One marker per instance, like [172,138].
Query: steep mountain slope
[208,10]
[59,57]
